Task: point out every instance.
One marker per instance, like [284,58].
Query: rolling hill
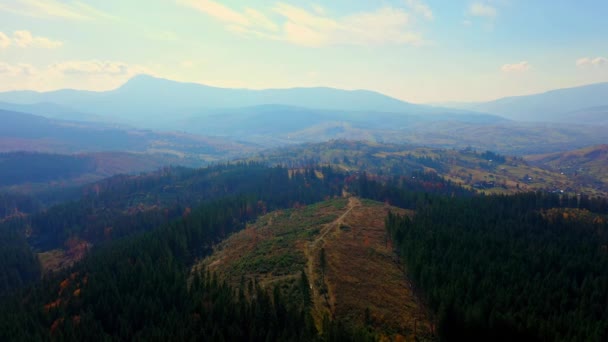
[287,122]
[27,132]
[592,115]
[485,172]
[43,169]
[51,111]
[588,165]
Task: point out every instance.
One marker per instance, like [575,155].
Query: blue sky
[415,50]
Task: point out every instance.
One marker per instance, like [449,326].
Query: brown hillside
[360,271]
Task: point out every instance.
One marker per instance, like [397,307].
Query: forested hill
[44,170]
[516,268]
[125,228]
[482,171]
[528,266]
[136,287]
[333,258]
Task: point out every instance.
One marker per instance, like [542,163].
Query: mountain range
[585,104]
[554,121]
[147,99]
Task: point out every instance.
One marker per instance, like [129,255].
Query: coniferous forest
[532,266]
[508,267]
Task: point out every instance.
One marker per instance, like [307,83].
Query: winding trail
[321,303]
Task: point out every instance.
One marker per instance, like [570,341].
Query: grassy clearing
[56,259]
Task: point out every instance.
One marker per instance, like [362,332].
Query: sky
[422,51]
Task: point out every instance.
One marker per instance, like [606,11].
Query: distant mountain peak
[146,80]
[149,100]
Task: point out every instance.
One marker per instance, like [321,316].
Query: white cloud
[386,25]
[97,67]
[479,9]
[467,23]
[421,8]
[70,10]
[5,41]
[516,67]
[25,39]
[314,28]
[13,70]
[78,74]
[249,18]
[592,62]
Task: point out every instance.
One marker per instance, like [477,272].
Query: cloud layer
[315,28]
[586,62]
[522,66]
[20,69]
[25,39]
[69,10]
[81,74]
[96,67]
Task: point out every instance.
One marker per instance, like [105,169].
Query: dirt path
[321,303]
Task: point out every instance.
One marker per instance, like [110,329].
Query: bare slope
[342,246]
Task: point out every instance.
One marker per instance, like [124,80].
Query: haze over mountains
[553,121]
[147,97]
[28,132]
[561,105]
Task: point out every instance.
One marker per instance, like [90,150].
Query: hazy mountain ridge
[151,101]
[276,117]
[27,132]
[560,105]
[51,111]
[149,96]
[288,120]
